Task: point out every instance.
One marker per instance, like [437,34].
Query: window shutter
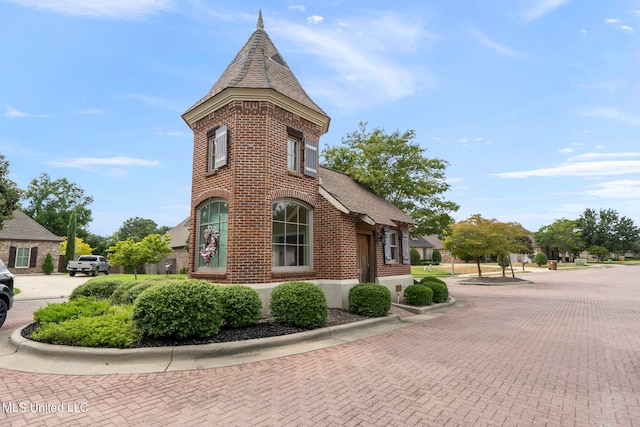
[310,158]
[34,257]
[405,247]
[12,256]
[387,246]
[221,147]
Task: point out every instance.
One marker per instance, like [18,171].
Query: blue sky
[535,104]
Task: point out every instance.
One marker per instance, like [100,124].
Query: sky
[534,104]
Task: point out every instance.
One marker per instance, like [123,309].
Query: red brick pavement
[564,351]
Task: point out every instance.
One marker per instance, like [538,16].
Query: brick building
[262,210]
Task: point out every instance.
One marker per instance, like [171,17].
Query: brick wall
[44,247]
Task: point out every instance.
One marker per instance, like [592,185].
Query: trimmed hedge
[370,299]
[178,309]
[112,329]
[79,307]
[299,304]
[432,279]
[440,291]
[101,289]
[241,305]
[418,295]
[128,292]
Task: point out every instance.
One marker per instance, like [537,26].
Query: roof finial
[260,25]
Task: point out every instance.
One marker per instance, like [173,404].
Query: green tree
[137,229]
[562,235]
[600,252]
[10,194]
[50,204]
[608,229]
[397,169]
[70,251]
[436,257]
[415,256]
[47,265]
[150,250]
[82,248]
[540,259]
[99,244]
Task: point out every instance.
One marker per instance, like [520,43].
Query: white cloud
[607,156]
[541,8]
[363,59]
[584,169]
[626,28]
[611,113]
[611,21]
[298,7]
[315,19]
[13,113]
[487,42]
[99,8]
[566,150]
[153,101]
[92,162]
[622,189]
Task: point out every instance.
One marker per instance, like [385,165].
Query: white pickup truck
[89,264]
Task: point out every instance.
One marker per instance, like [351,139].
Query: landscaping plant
[418,295]
[241,305]
[299,304]
[370,299]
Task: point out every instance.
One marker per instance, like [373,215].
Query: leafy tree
[415,256]
[436,256]
[81,248]
[9,193]
[563,235]
[397,169]
[50,204]
[540,259]
[70,251]
[137,229]
[600,252]
[150,250]
[98,243]
[607,229]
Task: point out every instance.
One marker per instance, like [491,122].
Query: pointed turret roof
[259,65]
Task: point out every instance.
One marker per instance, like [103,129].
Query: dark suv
[6,292]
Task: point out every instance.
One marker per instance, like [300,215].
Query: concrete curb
[422,310]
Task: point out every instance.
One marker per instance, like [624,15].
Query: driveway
[562,351]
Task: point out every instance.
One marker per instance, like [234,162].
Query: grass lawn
[131,277]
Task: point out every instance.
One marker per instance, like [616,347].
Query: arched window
[212,235]
[291,242]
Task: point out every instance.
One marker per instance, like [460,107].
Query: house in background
[423,246]
[263,211]
[24,244]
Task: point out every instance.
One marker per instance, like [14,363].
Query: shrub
[506,261]
[432,279]
[47,265]
[101,289]
[112,329]
[370,299]
[540,259]
[79,307]
[440,291]
[436,257]
[128,292]
[241,305]
[415,256]
[299,304]
[418,295]
[178,309]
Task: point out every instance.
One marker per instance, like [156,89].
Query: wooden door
[364,258]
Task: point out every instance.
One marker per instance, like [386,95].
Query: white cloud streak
[623,189]
[541,8]
[502,49]
[99,8]
[93,162]
[14,113]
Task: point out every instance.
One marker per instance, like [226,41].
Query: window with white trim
[393,245]
[292,225]
[293,154]
[217,156]
[22,257]
[213,217]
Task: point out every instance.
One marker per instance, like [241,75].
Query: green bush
[299,304]
[112,329]
[432,279]
[79,307]
[440,291]
[128,292]
[540,259]
[370,299]
[436,257]
[419,295]
[506,261]
[241,306]
[47,265]
[101,289]
[178,309]
[415,256]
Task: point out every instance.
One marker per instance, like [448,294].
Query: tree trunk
[502,264]
[479,271]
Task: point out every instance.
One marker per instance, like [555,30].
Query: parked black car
[6,292]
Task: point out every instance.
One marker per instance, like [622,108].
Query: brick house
[24,244]
[263,211]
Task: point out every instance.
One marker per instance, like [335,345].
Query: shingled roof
[350,196]
[259,65]
[180,234]
[21,227]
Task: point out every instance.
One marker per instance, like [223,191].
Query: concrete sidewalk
[42,286]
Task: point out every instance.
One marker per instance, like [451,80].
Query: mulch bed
[493,280]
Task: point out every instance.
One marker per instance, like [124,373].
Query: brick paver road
[564,351]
